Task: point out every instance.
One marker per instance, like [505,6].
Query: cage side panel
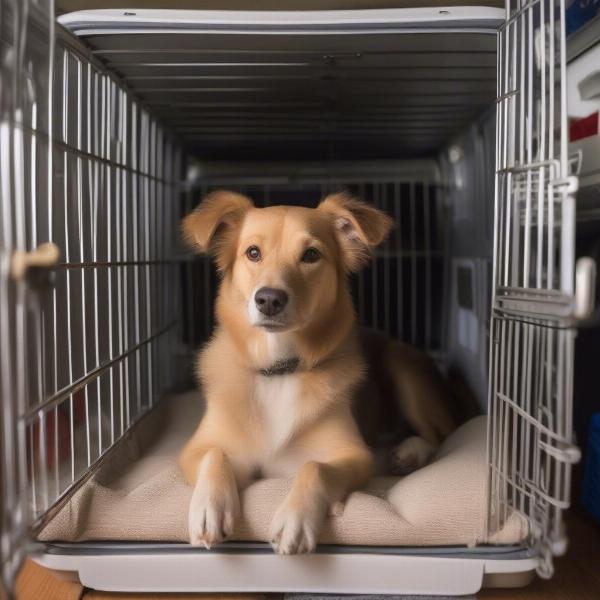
[530,403]
[88,344]
[109,318]
[467,166]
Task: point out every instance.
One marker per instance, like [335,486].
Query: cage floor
[139,494]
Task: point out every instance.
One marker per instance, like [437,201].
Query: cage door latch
[45,256]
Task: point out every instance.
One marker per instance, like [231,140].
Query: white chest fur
[278,403]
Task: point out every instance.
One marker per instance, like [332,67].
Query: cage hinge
[571,182]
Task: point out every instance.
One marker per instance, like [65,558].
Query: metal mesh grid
[402,293]
[103,326]
[87,350]
[530,445]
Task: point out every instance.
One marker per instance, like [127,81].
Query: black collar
[285,366]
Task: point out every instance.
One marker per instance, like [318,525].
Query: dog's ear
[212,226]
[359,227]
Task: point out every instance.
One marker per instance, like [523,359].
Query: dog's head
[284,264]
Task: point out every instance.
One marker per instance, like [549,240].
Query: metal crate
[87,343]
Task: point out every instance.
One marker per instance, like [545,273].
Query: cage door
[532,335]
[26,42]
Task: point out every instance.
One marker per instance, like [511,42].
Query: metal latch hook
[46,255]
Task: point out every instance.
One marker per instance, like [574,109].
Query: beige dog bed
[139,494]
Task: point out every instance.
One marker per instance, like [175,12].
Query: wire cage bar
[531,366]
[89,342]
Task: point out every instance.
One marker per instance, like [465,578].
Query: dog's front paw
[294,530]
[212,517]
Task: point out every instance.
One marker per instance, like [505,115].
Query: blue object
[591,476]
[580,12]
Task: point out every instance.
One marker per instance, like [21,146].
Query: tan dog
[285,367]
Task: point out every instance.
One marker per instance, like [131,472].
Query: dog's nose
[270,301]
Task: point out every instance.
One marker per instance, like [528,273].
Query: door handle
[585,288]
[46,255]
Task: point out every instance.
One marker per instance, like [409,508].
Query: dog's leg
[317,489]
[412,454]
[215,503]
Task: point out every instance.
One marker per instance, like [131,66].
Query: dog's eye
[311,255]
[253,253]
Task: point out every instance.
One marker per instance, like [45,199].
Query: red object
[583,128]
[63,427]
[63,439]
[78,406]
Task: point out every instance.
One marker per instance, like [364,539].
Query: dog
[289,389]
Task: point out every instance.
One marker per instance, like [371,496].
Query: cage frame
[519,312]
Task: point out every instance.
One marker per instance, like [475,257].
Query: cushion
[139,494]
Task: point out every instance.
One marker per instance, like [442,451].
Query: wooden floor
[577,578]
